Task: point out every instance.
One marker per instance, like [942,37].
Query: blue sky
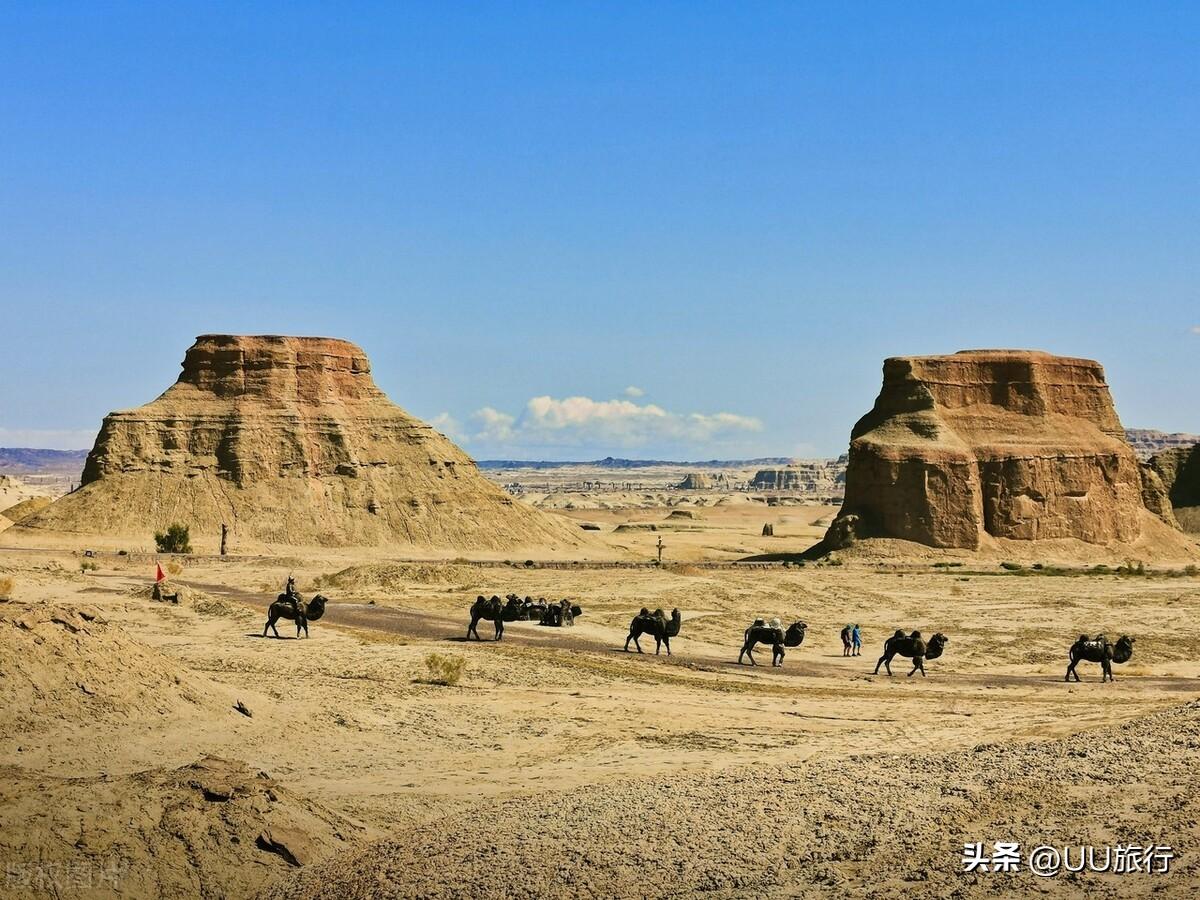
[523,211]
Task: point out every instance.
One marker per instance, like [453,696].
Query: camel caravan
[559,613]
[554,614]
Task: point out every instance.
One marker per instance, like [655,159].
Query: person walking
[856,639]
[846,640]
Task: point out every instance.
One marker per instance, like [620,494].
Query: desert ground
[169,749]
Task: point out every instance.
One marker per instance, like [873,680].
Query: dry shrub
[174,568]
[6,587]
[444,669]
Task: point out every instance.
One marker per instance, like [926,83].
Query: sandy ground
[561,765]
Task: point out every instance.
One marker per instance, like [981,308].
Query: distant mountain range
[610,462]
[27,461]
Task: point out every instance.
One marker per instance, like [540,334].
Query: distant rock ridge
[288,440]
[1147,442]
[1178,472]
[1015,444]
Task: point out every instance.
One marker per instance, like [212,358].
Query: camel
[1098,649]
[492,610]
[283,608]
[913,646]
[762,633]
[657,626]
[512,609]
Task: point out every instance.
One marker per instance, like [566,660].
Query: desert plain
[560,764]
[157,741]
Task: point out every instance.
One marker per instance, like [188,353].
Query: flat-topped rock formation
[806,476]
[288,440]
[1013,444]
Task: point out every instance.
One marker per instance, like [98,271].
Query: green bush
[176,539]
[445,670]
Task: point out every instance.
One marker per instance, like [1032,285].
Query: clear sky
[564,230]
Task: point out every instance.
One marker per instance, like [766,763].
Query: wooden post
[224,535]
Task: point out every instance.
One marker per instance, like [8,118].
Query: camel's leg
[499,629]
[471,628]
[265,627]
[627,640]
[880,663]
[1107,671]
[657,644]
[887,664]
[777,656]
[1071,669]
[637,642]
[667,641]
[749,651]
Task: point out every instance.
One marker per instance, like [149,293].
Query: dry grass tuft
[443,669]
[6,587]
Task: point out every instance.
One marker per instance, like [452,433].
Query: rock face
[1178,472]
[288,440]
[1013,444]
[807,476]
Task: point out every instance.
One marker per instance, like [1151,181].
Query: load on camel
[1098,649]
[773,633]
[657,625]
[564,612]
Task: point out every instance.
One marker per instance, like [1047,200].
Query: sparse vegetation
[444,669]
[1132,568]
[947,565]
[176,539]
[174,568]
[1011,566]
[6,587]
[86,566]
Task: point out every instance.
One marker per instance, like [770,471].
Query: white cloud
[494,426]
[1196,329]
[449,426]
[633,391]
[617,424]
[48,438]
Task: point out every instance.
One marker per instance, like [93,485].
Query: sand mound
[396,576]
[191,598]
[62,665]
[288,441]
[211,829]
[26,508]
[870,825]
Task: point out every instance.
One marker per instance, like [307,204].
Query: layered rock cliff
[1009,443]
[288,440]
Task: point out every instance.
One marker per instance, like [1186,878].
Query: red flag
[159,576]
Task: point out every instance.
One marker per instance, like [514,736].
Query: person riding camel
[290,594]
